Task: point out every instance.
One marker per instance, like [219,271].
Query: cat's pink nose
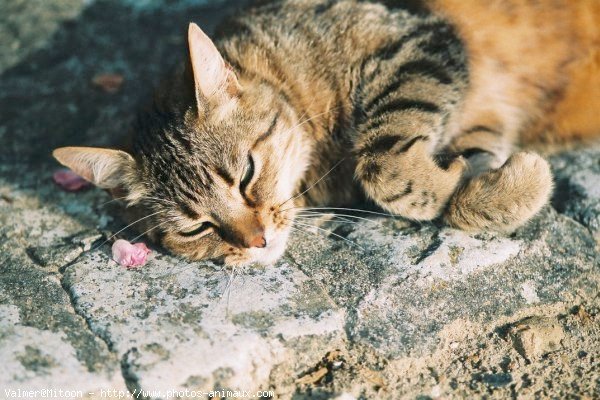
[247,234]
[258,241]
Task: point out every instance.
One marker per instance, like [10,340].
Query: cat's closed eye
[203,227]
[248,174]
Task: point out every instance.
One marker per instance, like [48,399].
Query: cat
[318,102]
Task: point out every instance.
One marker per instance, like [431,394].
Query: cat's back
[317,29]
[536,63]
[314,51]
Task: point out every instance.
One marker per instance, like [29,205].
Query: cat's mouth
[268,255]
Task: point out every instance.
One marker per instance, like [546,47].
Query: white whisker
[313,185]
[159,200]
[116,233]
[330,233]
[333,217]
[151,229]
[317,214]
[111,200]
[228,290]
[311,118]
[343,209]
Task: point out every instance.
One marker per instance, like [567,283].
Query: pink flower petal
[69,180]
[110,83]
[129,255]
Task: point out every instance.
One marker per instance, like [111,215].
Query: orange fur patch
[544,57]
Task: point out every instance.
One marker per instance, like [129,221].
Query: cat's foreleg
[399,173]
[404,118]
[408,95]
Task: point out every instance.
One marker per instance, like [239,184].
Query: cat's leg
[398,135]
[399,173]
[402,177]
[408,97]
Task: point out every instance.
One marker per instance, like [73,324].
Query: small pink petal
[69,180]
[110,83]
[129,255]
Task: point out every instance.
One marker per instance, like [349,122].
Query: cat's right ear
[105,168]
[213,78]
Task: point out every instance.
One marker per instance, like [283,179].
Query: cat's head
[213,170]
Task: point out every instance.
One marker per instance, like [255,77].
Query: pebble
[536,336]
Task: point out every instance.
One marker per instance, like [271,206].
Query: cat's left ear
[105,168]
[213,78]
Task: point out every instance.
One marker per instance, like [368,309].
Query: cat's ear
[105,168]
[213,78]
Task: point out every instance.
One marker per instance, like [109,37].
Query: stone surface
[578,187]
[534,337]
[391,310]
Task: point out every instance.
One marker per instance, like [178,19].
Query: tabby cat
[318,102]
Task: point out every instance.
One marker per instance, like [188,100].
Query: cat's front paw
[412,185]
[503,199]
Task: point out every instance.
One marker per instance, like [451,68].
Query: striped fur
[371,98]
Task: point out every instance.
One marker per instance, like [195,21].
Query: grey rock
[577,191]
[86,239]
[54,257]
[202,317]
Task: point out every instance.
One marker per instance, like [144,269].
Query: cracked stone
[87,238]
[54,257]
